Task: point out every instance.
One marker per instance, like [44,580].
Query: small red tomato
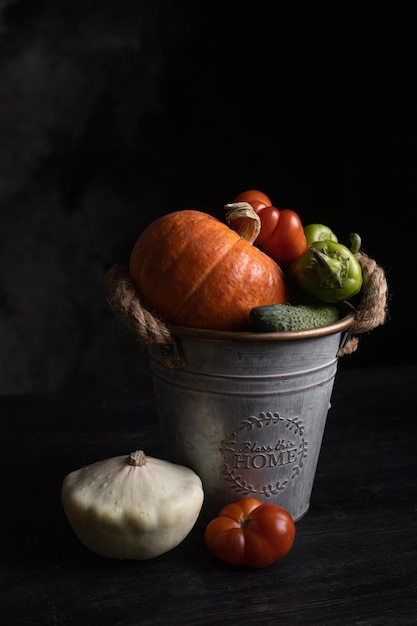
[252,195]
[250,533]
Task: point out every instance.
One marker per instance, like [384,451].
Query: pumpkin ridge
[198,218]
[232,295]
[147,246]
[197,285]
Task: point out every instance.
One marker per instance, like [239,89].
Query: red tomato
[251,533]
[288,241]
[253,195]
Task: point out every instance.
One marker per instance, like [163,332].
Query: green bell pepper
[328,271]
[318,232]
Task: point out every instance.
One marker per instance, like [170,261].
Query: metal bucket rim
[343,324]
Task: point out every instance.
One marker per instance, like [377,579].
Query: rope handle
[124,302]
[372,310]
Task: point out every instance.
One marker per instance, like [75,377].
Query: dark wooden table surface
[354,560]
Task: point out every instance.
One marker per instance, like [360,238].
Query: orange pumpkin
[191,269]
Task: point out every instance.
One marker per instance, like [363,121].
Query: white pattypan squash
[132,507]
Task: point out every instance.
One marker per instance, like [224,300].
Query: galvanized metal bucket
[247,411]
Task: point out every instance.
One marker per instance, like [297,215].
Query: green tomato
[318,232]
[328,272]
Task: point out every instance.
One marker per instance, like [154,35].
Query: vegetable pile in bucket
[188,268]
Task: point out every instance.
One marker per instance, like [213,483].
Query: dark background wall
[113,113]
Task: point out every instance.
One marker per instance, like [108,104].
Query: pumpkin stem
[138,458]
[250,225]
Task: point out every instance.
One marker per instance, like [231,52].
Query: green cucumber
[283,317]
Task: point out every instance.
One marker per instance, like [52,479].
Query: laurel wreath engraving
[240,484]
[265,418]
[302,453]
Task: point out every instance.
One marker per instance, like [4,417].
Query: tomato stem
[244,523]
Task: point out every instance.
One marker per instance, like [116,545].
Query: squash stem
[250,225]
[137,458]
